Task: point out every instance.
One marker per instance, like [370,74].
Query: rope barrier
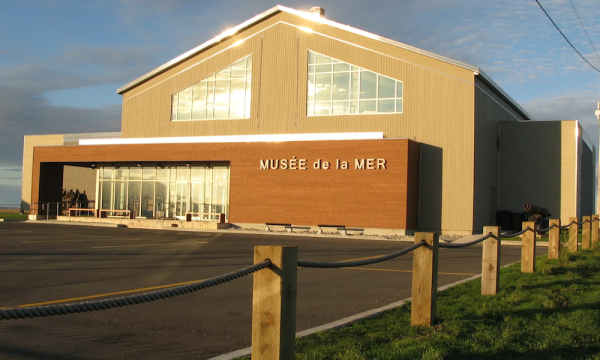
[569,224]
[454,246]
[518,233]
[548,228]
[41,311]
[343,264]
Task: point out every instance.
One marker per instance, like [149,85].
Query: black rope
[454,246]
[548,228]
[343,264]
[518,233]
[568,225]
[41,311]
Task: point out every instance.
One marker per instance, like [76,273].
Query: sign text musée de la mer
[319,164]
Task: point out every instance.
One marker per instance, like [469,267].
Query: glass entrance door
[196,197]
[182,192]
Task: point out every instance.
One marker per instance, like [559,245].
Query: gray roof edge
[198,49]
[488,80]
[272,11]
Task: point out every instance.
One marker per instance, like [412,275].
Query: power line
[563,35]
[585,31]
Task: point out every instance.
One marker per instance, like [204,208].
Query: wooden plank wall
[28,144]
[355,198]
[568,171]
[438,98]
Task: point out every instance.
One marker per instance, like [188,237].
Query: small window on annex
[339,88]
[223,95]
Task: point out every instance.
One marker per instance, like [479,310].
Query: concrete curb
[348,320]
[282,233]
[12,220]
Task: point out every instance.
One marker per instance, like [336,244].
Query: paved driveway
[45,264]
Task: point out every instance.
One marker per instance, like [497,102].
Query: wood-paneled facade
[385,198]
[439,103]
[446,106]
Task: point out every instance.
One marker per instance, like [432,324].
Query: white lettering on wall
[320,164]
[359,164]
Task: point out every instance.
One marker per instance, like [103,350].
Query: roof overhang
[498,90]
[318,19]
[267,14]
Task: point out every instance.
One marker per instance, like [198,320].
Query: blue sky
[62,61]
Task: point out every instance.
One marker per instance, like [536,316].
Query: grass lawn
[553,313]
[12,216]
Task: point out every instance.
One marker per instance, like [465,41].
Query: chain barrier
[343,264]
[461,245]
[41,311]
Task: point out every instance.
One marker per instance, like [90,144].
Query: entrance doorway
[161,191]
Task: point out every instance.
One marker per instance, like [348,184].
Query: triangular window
[223,95]
[339,88]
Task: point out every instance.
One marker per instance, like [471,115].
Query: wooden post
[554,240]
[573,235]
[595,224]
[528,248]
[586,230]
[274,304]
[424,280]
[490,262]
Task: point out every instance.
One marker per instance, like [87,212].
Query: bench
[337,228]
[124,213]
[291,228]
[74,211]
[351,231]
[271,225]
[190,215]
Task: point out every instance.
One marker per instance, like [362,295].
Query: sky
[62,61]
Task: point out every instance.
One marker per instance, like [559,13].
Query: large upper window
[338,88]
[223,95]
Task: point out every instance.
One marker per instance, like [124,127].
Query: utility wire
[585,31]
[563,35]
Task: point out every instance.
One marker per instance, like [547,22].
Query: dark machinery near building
[537,214]
[509,220]
[72,199]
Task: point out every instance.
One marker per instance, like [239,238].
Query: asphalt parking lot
[50,264]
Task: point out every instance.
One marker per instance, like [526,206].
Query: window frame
[247,105]
[352,69]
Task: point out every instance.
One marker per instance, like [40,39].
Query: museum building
[293,119]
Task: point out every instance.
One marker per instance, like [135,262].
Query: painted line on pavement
[119,246]
[108,294]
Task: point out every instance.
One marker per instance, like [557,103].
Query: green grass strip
[13,216]
[550,314]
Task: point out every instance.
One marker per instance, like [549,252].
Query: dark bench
[124,213]
[220,220]
[291,228]
[270,225]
